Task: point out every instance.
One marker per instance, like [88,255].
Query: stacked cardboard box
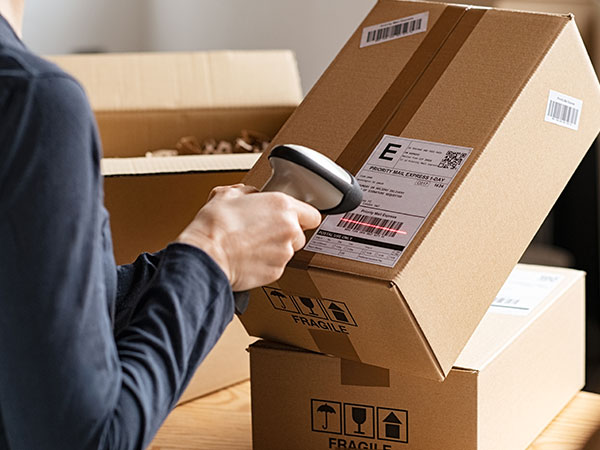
[462,125]
[524,362]
[146,102]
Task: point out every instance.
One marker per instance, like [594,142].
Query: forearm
[66,383]
[179,318]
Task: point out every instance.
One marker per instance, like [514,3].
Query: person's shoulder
[55,97]
[22,69]
[40,99]
[21,62]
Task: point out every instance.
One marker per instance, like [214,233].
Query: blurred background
[316,30]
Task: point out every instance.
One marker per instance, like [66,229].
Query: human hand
[251,235]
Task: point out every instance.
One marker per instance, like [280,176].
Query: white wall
[64,26]
[314,29]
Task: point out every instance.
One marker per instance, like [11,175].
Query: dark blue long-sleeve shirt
[91,355]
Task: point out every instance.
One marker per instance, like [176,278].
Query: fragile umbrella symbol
[326,409]
[280,296]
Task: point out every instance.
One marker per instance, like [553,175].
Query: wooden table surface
[221,421]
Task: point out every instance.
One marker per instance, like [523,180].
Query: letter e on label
[390,150]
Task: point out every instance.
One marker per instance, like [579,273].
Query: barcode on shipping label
[563,110]
[395,29]
[373,226]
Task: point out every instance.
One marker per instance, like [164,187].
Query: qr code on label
[452,160]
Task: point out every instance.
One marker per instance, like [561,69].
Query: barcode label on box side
[523,291]
[563,110]
[402,181]
[395,29]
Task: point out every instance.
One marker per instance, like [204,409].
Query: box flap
[195,80]
[112,167]
[149,101]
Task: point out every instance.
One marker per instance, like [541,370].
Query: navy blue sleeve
[132,280]
[66,382]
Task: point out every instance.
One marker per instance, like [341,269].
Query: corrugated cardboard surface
[585,11]
[478,78]
[148,212]
[151,200]
[516,374]
[148,101]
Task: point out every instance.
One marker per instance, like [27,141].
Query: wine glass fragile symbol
[309,304]
[359,415]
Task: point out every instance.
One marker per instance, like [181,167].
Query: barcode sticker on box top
[563,110]
[395,29]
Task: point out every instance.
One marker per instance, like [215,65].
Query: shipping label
[523,291]
[402,181]
[395,29]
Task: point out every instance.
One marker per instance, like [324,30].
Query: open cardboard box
[522,365]
[148,101]
[462,125]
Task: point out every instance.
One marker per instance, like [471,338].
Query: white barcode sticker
[402,181]
[563,110]
[524,290]
[395,29]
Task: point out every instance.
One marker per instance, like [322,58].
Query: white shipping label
[563,110]
[395,29]
[402,181]
[523,291]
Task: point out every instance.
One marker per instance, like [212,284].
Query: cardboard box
[149,101]
[523,364]
[462,133]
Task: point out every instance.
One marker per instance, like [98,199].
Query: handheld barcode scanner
[313,178]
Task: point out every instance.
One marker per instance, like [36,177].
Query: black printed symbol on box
[392,425]
[359,420]
[326,416]
[279,300]
[338,312]
[310,307]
